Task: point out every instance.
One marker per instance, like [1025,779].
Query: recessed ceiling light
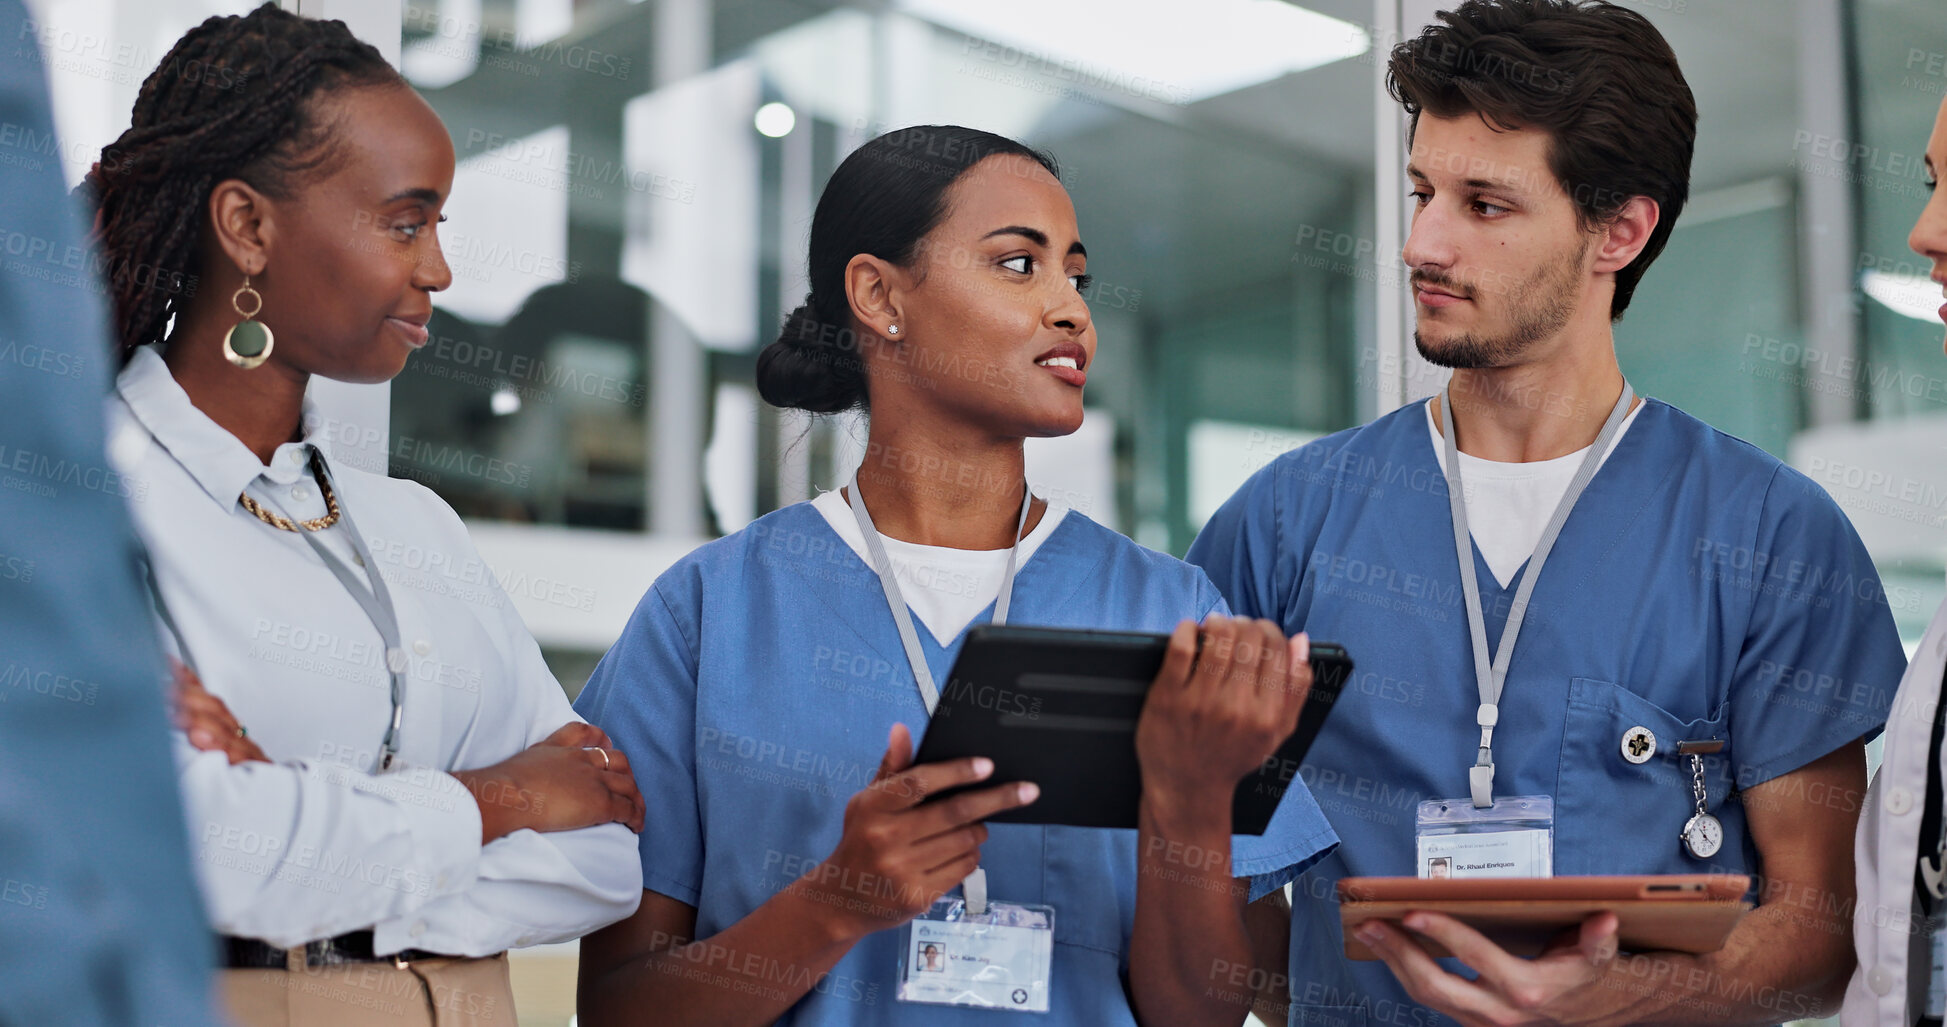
[776,119]
[1916,296]
[505,401]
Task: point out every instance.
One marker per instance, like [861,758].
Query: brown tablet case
[1673,913]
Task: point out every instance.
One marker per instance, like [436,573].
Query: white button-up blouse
[1888,844]
[317,844]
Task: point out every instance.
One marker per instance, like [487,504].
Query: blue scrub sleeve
[1298,837]
[1821,657]
[643,694]
[1240,546]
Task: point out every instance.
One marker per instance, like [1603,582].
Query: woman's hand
[207,721]
[573,778]
[1212,716]
[1216,715]
[896,856]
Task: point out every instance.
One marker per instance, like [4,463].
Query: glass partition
[614,223]
[1890,472]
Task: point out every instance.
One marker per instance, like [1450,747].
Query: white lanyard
[908,637]
[375,600]
[1490,678]
[975,886]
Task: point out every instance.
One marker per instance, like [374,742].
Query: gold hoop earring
[248,342]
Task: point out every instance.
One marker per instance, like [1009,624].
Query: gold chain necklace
[285,523]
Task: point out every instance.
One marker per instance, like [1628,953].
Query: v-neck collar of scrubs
[1624,484]
[1034,591]
[832,507]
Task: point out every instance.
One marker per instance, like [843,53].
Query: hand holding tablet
[1227,695]
[1691,913]
[1060,708]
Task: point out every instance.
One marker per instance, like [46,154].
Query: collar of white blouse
[218,460]
[226,468]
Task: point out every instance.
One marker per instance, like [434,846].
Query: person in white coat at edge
[385,786]
[1897,923]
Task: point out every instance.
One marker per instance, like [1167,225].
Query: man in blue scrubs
[1691,674]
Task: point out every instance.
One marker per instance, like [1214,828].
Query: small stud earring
[892,330]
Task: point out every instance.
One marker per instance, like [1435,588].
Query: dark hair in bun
[882,200]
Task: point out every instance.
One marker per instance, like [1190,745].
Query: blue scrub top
[1701,589]
[752,691]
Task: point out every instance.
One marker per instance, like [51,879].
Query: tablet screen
[1059,707]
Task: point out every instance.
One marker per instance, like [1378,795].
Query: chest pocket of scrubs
[1089,876]
[1614,816]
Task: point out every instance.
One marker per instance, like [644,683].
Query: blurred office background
[636,183]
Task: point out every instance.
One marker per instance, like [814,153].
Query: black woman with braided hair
[385,785]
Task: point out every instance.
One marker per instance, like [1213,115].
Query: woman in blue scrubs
[767,690]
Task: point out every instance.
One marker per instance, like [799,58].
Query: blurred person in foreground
[99,920]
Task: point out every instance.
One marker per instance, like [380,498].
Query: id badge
[1000,959]
[1515,837]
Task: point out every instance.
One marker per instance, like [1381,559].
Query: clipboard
[1690,913]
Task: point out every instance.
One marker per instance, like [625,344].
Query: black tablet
[1058,707]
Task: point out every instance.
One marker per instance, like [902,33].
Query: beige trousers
[444,992]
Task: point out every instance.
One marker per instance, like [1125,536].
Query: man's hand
[1788,959]
[210,725]
[1562,985]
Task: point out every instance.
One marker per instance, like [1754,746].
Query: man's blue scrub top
[1701,589]
[752,691]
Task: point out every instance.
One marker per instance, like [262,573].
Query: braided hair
[230,100]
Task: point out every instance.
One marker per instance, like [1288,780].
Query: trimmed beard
[1553,287]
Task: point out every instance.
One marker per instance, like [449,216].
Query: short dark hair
[883,200]
[1598,78]
[232,99]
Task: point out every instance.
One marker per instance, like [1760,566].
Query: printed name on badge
[1001,959]
[1515,837]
